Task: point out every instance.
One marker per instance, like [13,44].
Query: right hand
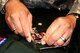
[18,17]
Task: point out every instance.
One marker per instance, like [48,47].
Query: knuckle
[8,19]
[22,12]
[67,25]
[13,16]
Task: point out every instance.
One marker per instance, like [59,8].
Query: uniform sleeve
[75,8]
[2,3]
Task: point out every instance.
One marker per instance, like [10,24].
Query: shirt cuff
[2,3]
[75,8]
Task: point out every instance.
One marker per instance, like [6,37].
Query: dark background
[44,16]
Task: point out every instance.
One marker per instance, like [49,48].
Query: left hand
[61,27]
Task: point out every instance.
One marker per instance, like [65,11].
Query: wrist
[73,19]
[11,1]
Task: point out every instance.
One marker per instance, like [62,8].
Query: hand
[61,27]
[18,17]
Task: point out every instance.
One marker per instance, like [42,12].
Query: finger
[25,25]
[11,25]
[54,26]
[56,35]
[67,42]
[60,41]
[68,39]
[16,22]
[30,21]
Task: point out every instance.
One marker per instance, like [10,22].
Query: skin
[18,17]
[61,27]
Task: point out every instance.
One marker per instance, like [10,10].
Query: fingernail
[29,39]
[43,42]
